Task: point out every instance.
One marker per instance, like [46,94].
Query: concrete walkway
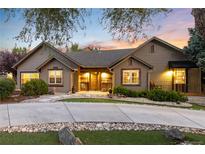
[197,100]
[34,113]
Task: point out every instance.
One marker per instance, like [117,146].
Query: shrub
[129,93]
[7,87]
[121,91]
[34,87]
[158,94]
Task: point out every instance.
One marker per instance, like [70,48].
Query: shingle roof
[99,58]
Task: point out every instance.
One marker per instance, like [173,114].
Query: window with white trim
[55,76]
[131,77]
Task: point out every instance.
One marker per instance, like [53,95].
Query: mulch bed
[16,99]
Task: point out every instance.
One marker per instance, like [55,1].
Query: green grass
[104,100]
[132,138]
[49,138]
[98,138]
[197,107]
[95,100]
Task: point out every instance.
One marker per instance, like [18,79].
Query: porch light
[169,73]
[86,74]
[104,75]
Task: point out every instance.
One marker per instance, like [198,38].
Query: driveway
[34,113]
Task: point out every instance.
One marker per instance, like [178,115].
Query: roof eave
[51,58]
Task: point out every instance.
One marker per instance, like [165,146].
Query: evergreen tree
[196,48]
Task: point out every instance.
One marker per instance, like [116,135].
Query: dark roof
[182,64]
[99,58]
[107,58]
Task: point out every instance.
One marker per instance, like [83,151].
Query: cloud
[114,44]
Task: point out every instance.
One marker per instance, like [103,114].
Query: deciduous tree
[130,23]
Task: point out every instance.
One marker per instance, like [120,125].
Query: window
[130,77]
[179,76]
[55,76]
[25,77]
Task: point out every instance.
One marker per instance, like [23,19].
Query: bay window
[131,77]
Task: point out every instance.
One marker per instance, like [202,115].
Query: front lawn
[98,138]
[29,138]
[95,100]
[123,138]
[104,100]
[133,138]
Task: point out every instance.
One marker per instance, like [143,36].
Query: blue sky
[172,28]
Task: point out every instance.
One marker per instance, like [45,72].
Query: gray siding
[37,58]
[159,60]
[117,74]
[67,76]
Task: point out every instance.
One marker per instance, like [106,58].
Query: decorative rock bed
[94,126]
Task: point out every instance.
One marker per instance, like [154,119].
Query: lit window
[55,76]
[9,76]
[25,77]
[130,77]
[179,76]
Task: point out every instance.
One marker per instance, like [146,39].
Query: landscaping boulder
[174,134]
[66,137]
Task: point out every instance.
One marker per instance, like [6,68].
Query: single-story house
[153,63]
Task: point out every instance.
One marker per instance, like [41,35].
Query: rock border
[95,126]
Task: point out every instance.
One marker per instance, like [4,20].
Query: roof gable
[136,59]
[144,44]
[36,49]
[52,58]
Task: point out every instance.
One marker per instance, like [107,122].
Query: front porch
[97,79]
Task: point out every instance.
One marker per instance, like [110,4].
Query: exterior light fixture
[104,75]
[169,73]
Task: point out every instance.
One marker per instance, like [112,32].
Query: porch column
[78,79]
[148,80]
[113,80]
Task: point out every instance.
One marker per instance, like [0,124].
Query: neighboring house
[154,63]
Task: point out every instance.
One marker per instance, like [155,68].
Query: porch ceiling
[182,64]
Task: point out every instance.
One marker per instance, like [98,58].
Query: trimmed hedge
[129,93]
[156,94]
[170,96]
[7,87]
[34,87]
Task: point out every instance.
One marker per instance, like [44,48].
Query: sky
[173,28]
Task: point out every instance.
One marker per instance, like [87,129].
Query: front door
[93,81]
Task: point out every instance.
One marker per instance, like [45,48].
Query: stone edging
[94,126]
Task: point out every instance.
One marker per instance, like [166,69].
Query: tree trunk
[199,16]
